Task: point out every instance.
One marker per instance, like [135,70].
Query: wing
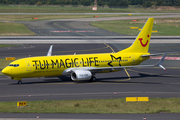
[100,69]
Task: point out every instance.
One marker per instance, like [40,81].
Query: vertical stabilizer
[142,41]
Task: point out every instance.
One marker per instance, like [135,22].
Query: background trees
[123,3]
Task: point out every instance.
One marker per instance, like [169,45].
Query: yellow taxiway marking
[109,47]
[125,79]
[127,74]
[69,29]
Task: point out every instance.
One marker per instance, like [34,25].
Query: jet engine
[81,75]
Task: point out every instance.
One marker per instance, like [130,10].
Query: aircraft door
[133,59]
[28,65]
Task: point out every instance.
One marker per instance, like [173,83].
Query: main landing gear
[93,79]
[19,82]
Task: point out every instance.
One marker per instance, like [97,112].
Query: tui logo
[144,45]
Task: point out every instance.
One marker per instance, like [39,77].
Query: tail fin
[142,41]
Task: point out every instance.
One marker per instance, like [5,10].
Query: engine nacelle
[81,75]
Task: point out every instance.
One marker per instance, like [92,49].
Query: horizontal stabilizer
[156,54]
[161,61]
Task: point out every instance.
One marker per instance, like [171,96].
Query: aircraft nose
[6,71]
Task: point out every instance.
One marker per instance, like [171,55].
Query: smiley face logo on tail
[144,45]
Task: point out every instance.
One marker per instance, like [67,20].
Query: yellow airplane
[85,66]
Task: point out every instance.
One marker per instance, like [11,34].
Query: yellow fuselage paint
[55,65]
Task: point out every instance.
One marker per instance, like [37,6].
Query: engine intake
[81,75]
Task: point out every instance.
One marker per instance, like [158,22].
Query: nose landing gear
[19,79]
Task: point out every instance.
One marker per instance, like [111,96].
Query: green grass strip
[8,29]
[165,27]
[77,9]
[155,105]
[4,45]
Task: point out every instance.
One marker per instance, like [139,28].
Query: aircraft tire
[93,79]
[19,82]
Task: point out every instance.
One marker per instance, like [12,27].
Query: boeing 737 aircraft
[85,66]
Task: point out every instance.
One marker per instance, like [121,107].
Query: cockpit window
[14,65]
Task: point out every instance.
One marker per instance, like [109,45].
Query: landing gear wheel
[19,82]
[93,79]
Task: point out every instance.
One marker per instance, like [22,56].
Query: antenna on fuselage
[50,51]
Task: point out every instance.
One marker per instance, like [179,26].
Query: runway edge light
[21,103]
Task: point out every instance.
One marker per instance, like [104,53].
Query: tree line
[123,3]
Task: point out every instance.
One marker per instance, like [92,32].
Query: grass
[8,29]
[76,9]
[3,45]
[57,9]
[155,105]
[165,27]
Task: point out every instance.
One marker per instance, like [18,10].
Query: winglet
[50,51]
[161,61]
